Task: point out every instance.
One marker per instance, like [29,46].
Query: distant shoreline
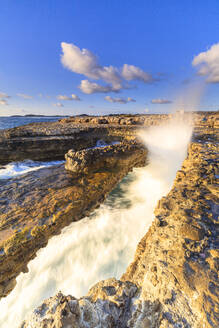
[33,115]
[114,114]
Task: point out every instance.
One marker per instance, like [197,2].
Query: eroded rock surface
[177,260]
[93,159]
[107,305]
[173,280]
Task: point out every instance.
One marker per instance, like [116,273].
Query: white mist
[102,245]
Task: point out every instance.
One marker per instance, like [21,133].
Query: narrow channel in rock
[103,244]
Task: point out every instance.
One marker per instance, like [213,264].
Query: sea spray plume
[102,245]
[190,96]
[167,145]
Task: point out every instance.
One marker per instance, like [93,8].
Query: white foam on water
[14,169]
[102,245]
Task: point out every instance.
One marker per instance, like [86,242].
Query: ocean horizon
[7,122]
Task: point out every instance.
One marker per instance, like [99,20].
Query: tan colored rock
[175,262]
[109,304]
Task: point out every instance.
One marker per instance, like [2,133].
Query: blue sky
[158,40]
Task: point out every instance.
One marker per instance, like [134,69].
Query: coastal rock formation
[173,280]
[38,205]
[108,157]
[50,144]
[177,261]
[51,140]
[107,305]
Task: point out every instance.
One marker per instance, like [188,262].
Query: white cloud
[3,102]
[60,97]
[79,61]
[161,101]
[86,63]
[58,104]
[72,97]
[24,96]
[75,97]
[208,63]
[119,100]
[92,87]
[131,72]
[4,95]
[131,99]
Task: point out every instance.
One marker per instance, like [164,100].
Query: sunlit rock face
[172,280]
[177,260]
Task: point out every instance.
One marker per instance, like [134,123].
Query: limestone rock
[176,262]
[109,304]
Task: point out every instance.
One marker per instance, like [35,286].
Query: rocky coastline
[38,205]
[52,140]
[172,281]
[46,141]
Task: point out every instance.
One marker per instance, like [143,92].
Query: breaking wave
[14,169]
